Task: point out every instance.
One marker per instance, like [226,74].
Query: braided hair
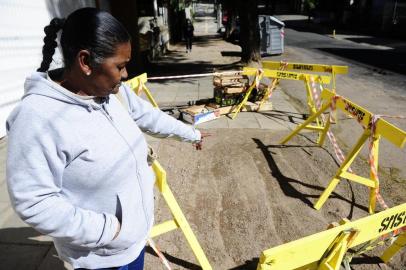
[50,44]
[89,29]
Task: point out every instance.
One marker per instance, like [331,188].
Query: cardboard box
[253,106]
[230,80]
[248,107]
[199,114]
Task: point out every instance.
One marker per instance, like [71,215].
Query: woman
[77,159]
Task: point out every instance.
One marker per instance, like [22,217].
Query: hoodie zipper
[108,116]
[106,112]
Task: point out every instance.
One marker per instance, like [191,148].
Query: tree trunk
[126,13]
[249,31]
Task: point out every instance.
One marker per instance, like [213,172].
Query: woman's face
[107,76]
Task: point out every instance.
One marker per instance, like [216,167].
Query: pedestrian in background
[189,29]
[77,159]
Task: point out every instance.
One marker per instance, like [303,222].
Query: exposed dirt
[244,193]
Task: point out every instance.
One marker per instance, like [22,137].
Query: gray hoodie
[75,169]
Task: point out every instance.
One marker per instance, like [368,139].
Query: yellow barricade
[332,69]
[305,67]
[138,86]
[179,219]
[286,75]
[258,76]
[326,250]
[382,129]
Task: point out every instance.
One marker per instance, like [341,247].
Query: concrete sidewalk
[210,54]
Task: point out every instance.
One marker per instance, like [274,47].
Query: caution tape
[272,86]
[258,77]
[159,253]
[374,171]
[325,250]
[371,155]
[195,75]
[332,106]
[370,245]
[316,96]
[140,87]
[372,158]
[337,150]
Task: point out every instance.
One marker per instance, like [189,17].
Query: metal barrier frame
[320,68]
[179,219]
[383,129]
[325,250]
[138,85]
[287,75]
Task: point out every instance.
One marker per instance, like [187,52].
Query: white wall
[21,34]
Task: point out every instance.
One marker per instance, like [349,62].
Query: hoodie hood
[39,84]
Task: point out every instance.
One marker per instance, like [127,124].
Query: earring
[88,73]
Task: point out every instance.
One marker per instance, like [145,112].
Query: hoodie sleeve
[155,122]
[35,165]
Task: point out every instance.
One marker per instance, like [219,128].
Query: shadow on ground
[286,183]
[248,265]
[174,260]
[19,249]
[393,60]
[197,67]
[175,62]
[309,26]
[325,28]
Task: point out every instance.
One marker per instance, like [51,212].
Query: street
[379,53]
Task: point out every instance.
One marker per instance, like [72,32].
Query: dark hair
[50,44]
[84,29]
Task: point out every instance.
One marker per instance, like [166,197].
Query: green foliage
[179,5]
[311,4]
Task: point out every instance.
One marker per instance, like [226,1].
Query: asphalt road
[381,53]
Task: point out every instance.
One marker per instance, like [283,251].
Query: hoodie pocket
[134,227]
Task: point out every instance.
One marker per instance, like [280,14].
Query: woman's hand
[199,144]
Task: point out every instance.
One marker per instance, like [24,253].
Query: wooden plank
[249,107]
[231,84]
[222,110]
[253,107]
[234,90]
[194,109]
[219,82]
[230,77]
[226,110]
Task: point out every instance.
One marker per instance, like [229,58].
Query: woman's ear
[83,57]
